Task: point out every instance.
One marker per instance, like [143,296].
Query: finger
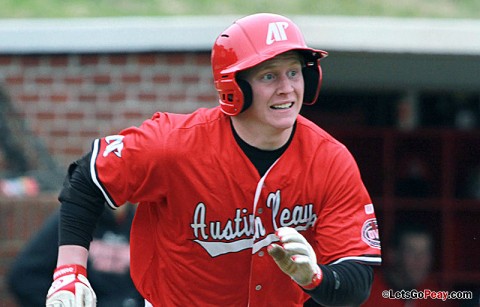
[287,234]
[295,248]
[301,259]
[277,252]
[285,231]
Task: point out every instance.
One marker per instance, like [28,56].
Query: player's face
[277,87]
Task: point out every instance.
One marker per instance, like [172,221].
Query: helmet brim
[309,53]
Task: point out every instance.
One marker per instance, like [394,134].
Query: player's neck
[258,137]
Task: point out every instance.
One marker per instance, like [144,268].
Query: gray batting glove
[296,258]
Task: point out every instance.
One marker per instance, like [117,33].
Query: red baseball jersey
[205,216]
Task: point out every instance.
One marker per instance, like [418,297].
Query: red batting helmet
[251,40]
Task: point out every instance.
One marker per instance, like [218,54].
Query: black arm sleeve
[344,284]
[30,275]
[82,205]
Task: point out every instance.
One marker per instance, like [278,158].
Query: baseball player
[244,204]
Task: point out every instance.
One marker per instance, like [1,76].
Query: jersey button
[260,253]
[260,210]
[258,287]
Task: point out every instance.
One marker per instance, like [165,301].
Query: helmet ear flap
[312,77]
[246,89]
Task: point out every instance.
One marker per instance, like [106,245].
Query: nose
[285,85]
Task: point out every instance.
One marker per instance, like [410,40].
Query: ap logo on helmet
[276,32]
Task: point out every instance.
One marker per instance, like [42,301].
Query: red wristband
[316,280]
[69,269]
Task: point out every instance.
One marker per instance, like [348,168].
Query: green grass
[108,8]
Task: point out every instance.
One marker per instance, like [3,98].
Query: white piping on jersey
[96,148]
[260,186]
[271,237]
[371,260]
[258,191]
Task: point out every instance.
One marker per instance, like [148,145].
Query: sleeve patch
[370,233]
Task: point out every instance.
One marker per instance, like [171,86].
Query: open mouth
[282,106]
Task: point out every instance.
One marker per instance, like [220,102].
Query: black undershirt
[262,159]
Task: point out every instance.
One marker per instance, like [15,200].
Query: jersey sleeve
[122,165]
[347,227]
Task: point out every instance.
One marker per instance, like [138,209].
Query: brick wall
[67,100]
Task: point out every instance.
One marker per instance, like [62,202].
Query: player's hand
[70,288]
[295,257]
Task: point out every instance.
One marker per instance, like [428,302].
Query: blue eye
[268,77]
[292,73]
